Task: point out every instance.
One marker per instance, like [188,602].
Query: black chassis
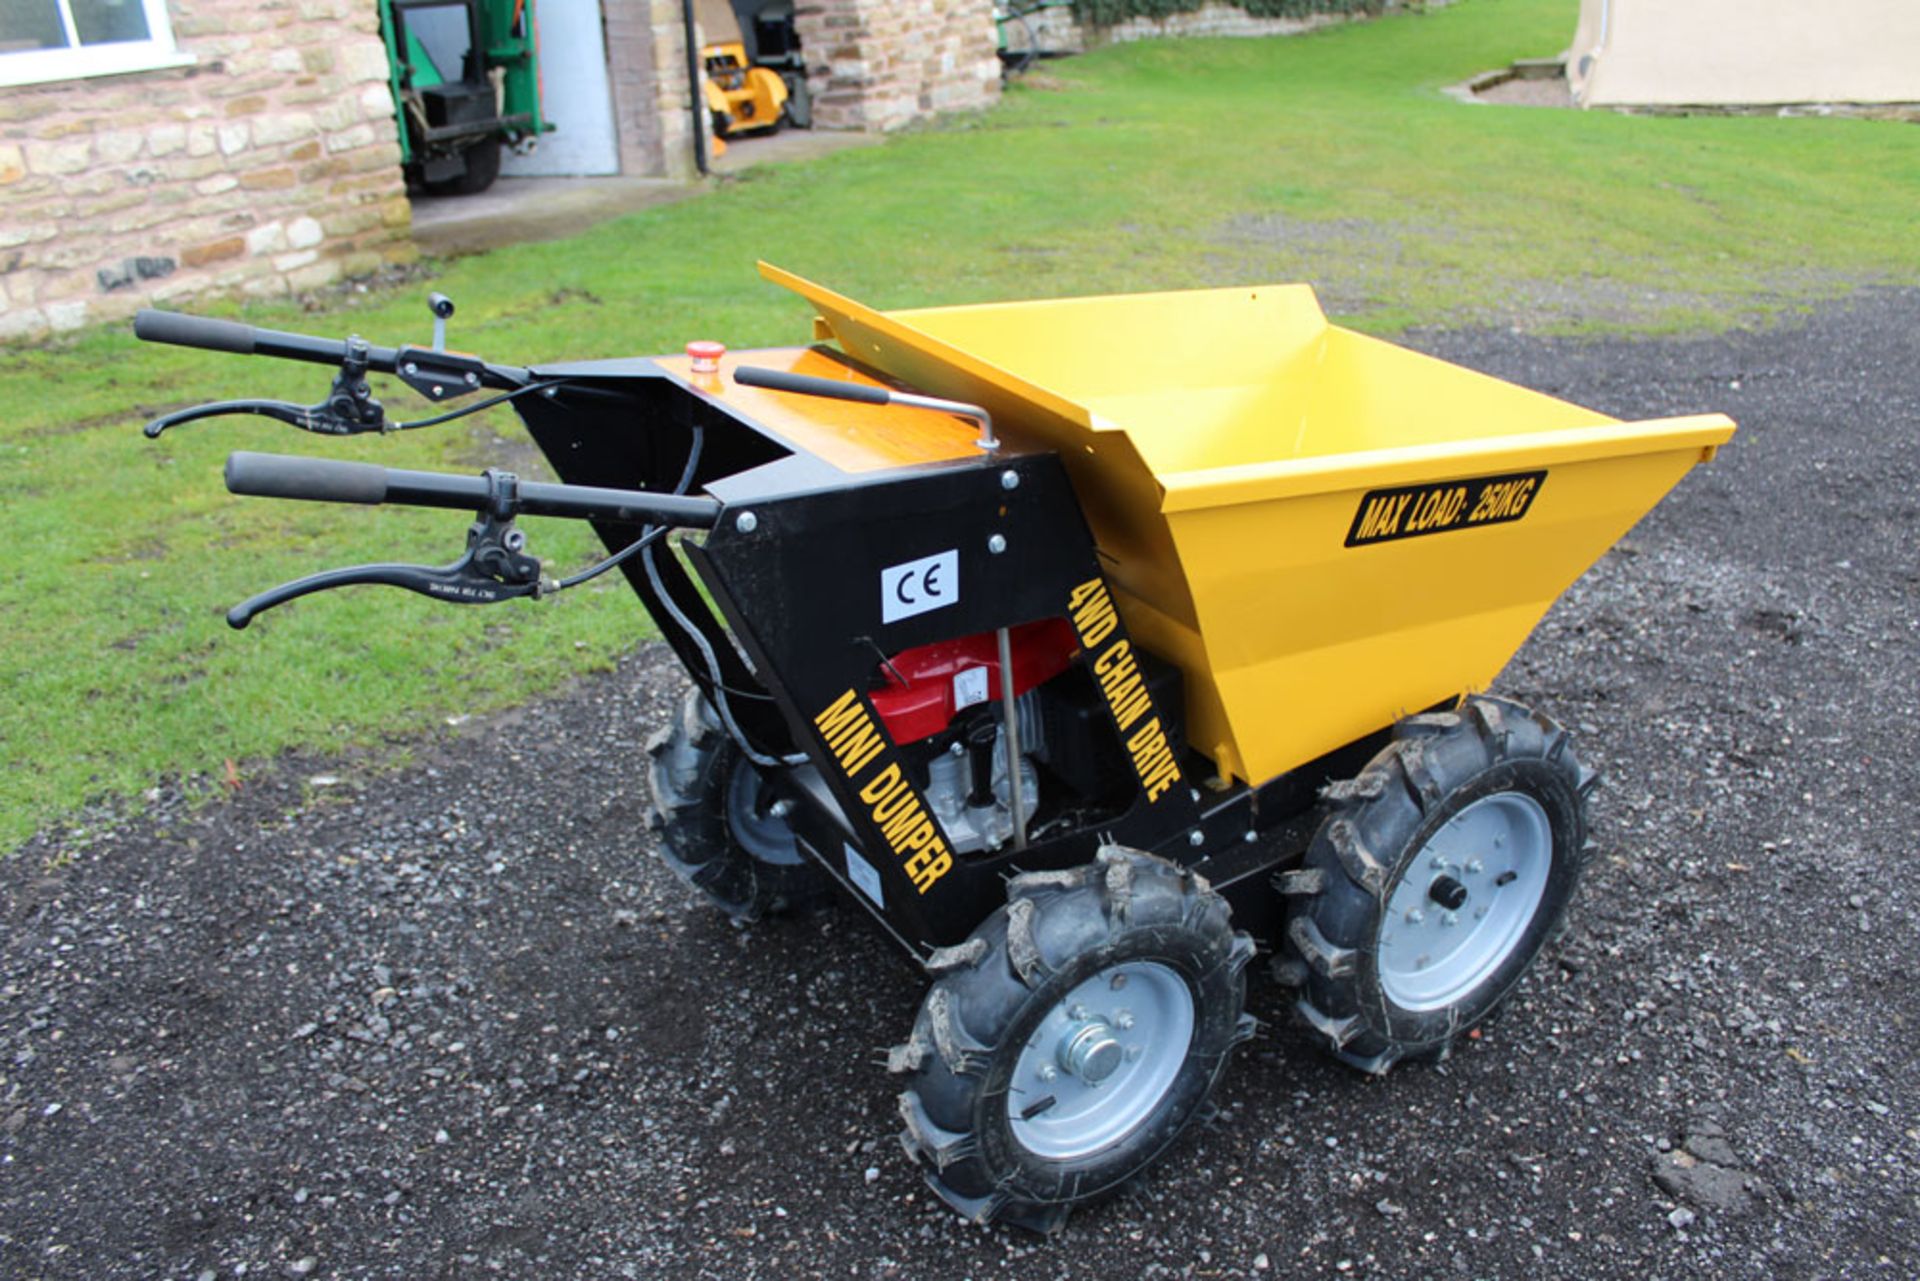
[795,566]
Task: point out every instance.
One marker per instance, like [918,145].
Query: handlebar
[334,481]
[429,370]
[496,566]
[182,330]
[193,331]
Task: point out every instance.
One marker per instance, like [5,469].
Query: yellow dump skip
[1324,530]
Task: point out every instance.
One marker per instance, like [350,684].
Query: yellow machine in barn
[742,96]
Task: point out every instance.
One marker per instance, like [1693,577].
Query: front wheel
[720,830]
[1072,1038]
[1435,879]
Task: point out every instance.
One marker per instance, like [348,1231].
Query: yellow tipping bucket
[1324,530]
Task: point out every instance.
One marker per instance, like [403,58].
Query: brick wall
[881,64]
[647,60]
[269,165]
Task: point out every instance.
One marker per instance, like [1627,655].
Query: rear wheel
[798,111]
[1072,1038]
[720,829]
[1436,878]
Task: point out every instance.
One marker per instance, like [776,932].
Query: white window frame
[78,61]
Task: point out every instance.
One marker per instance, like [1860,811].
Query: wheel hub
[1442,938]
[1091,1052]
[760,828]
[1099,1063]
[1448,893]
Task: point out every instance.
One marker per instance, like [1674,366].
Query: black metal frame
[795,635]
[793,567]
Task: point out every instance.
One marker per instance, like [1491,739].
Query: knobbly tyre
[1087,645]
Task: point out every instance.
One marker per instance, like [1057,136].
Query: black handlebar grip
[325,480]
[193,331]
[836,389]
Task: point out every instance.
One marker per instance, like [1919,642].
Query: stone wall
[647,62]
[881,64]
[1055,30]
[270,164]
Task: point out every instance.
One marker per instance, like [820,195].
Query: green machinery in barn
[466,82]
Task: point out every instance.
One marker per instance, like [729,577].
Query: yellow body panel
[1224,444]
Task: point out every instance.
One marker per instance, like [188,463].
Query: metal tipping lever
[865,394]
[442,308]
[1010,714]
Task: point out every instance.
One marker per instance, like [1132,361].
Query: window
[66,39]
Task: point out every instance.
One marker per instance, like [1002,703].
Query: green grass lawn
[1332,158]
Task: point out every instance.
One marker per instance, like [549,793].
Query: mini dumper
[1086,645]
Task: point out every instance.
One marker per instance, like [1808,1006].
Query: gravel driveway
[454,1020]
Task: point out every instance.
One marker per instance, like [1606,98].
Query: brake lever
[496,567]
[314,418]
[348,410]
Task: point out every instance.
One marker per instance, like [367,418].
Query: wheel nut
[1448,918]
[1133,1053]
[1123,1019]
[1078,1013]
[1048,1071]
[1475,866]
[1415,916]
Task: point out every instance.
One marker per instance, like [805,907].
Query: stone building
[155,149]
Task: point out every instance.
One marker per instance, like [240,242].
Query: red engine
[926,687]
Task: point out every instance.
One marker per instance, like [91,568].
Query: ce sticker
[932,582]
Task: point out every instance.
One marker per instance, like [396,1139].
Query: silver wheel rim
[1463,905]
[763,835]
[1101,1061]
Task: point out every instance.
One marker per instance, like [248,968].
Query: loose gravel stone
[231,1029]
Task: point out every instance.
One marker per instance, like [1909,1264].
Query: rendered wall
[1744,52]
